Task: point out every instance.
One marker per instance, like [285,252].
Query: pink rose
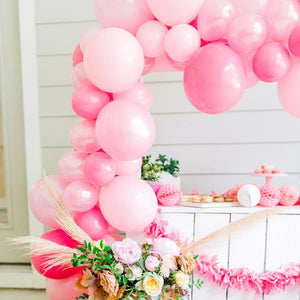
[127,251]
[151,263]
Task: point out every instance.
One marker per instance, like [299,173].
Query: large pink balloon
[113,60]
[126,14]
[125,129]
[173,12]
[289,89]
[214,19]
[294,42]
[88,36]
[251,6]
[129,167]
[214,79]
[40,199]
[247,33]
[271,62]
[131,210]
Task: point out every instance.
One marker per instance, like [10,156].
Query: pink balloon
[179,65]
[88,36]
[181,42]
[116,236]
[251,78]
[129,167]
[148,64]
[173,12]
[214,19]
[77,56]
[131,210]
[80,196]
[214,79]
[140,94]
[87,101]
[126,130]
[247,33]
[271,62]
[151,36]
[109,239]
[38,261]
[83,137]
[79,76]
[126,14]
[294,42]
[40,199]
[99,169]
[113,60]
[93,223]
[251,6]
[289,89]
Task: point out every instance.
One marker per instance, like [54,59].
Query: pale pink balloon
[140,94]
[83,137]
[125,129]
[113,60]
[214,19]
[148,64]
[179,65]
[99,168]
[289,89]
[181,42]
[294,42]
[88,36]
[129,167]
[173,12]
[133,209]
[40,199]
[247,33]
[214,79]
[251,6]
[151,36]
[79,76]
[93,223]
[77,56]
[126,14]
[271,62]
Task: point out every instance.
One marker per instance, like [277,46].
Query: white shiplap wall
[216,152]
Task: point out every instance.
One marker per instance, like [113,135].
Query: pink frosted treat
[277,172]
[270,195]
[289,195]
[168,195]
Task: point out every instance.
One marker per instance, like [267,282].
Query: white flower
[165,246]
[153,284]
[133,272]
[182,280]
[127,251]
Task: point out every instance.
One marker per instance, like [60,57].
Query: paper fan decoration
[270,195]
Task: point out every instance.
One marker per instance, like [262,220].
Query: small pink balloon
[181,42]
[40,199]
[251,78]
[109,240]
[77,56]
[79,76]
[80,196]
[140,94]
[247,33]
[129,167]
[93,223]
[133,209]
[151,36]
[294,42]
[271,62]
[214,19]
[148,64]
[179,65]
[83,137]
[99,168]
[87,101]
[125,129]
[253,6]
[88,36]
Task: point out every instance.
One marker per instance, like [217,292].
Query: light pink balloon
[181,42]
[88,36]
[214,19]
[99,168]
[151,36]
[140,94]
[294,42]
[40,199]
[133,209]
[214,79]
[247,33]
[77,56]
[113,60]
[129,167]
[126,14]
[289,89]
[83,137]
[173,12]
[271,62]
[148,64]
[93,223]
[179,65]
[126,130]
[79,76]
[251,6]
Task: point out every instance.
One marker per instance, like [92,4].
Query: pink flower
[151,263]
[127,251]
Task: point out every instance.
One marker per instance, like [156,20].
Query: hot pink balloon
[148,64]
[151,36]
[126,130]
[173,12]
[40,199]
[247,33]
[113,60]
[251,6]
[93,223]
[214,79]
[214,19]
[140,94]
[88,36]
[133,209]
[77,56]
[181,42]
[79,76]
[99,169]
[83,137]
[126,14]
[87,101]
[271,62]
[129,167]
[294,42]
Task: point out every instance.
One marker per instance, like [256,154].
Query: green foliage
[170,166]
